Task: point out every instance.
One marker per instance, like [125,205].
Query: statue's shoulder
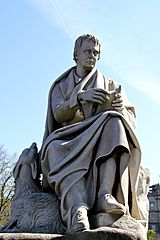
[110,83]
[60,82]
[61,78]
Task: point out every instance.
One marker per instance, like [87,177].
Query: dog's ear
[34,169]
[16,170]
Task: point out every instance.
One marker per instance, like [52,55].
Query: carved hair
[79,41]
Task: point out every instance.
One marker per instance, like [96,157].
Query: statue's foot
[108,204]
[79,221]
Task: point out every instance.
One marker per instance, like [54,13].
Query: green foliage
[151,234]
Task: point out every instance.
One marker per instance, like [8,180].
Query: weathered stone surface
[103,220]
[123,223]
[104,233]
[127,222]
[27,236]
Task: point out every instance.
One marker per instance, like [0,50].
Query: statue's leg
[75,213]
[107,174]
[106,202]
[124,178]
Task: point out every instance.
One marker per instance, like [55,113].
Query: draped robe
[71,151]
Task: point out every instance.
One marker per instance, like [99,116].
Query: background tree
[151,234]
[6,184]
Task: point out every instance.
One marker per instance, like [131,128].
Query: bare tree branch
[7,163]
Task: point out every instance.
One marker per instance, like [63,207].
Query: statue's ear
[16,170]
[34,169]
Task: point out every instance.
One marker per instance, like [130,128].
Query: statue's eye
[96,53]
[87,51]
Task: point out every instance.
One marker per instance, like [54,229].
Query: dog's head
[29,156]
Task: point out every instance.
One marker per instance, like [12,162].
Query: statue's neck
[81,73]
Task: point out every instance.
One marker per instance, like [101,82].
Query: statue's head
[80,41]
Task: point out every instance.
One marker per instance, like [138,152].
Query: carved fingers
[94,95]
[118,103]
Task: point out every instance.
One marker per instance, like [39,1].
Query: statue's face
[87,55]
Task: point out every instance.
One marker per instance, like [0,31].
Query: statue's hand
[118,103]
[94,95]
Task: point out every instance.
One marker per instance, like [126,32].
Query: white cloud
[73,17]
[50,11]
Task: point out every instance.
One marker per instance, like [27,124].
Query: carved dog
[32,210]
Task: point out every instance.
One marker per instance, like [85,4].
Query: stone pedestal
[103,227]
[104,233]
[124,222]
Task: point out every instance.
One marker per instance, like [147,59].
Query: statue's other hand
[93,95]
[118,103]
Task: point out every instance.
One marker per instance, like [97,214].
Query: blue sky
[36,45]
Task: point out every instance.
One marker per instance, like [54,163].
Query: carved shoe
[79,220]
[108,204]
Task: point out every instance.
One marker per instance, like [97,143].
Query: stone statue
[90,156]
[89,160]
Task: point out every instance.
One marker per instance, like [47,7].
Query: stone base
[124,222]
[104,227]
[103,233]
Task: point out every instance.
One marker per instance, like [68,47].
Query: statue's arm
[129,110]
[62,109]
[129,114]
